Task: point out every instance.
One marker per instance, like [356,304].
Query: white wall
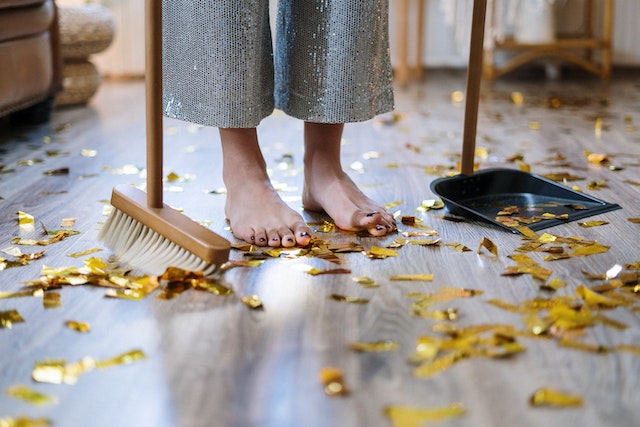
[442,47]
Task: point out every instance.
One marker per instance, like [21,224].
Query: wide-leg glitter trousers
[330,65]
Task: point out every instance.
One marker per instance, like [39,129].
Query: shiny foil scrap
[488,245]
[8,318]
[76,326]
[409,416]
[29,395]
[22,421]
[252,301]
[552,397]
[373,347]
[332,380]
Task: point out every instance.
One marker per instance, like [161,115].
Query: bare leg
[328,188]
[256,213]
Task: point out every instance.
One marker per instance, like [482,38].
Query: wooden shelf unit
[578,49]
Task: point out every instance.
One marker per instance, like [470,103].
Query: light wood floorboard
[213,362]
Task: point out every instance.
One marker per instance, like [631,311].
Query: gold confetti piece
[392,204]
[597,159]
[552,397]
[57,172]
[22,421]
[51,300]
[81,327]
[412,277]
[488,245]
[381,253]
[352,300]
[592,224]
[590,250]
[123,359]
[457,97]
[68,222]
[398,242]
[332,380]
[57,237]
[19,294]
[28,395]
[634,220]
[373,347]
[365,282]
[84,253]
[534,125]
[555,284]
[505,305]
[49,371]
[127,294]
[426,242]
[446,314]
[440,363]
[8,318]
[88,153]
[595,299]
[459,247]
[431,204]
[517,98]
[252,301]
[409,416]
[25,219]
[628,348]
[305,268]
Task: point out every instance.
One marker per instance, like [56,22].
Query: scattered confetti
[553,397]
[409,416]
[28,395]
[373,347]
[8,318]
[252,301]
[332,380]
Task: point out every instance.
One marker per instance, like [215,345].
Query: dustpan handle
[472,97]
[153,98]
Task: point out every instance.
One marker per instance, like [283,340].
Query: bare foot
[328,188]
[349,208]
[255,211]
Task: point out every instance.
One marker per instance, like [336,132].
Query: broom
[142,230]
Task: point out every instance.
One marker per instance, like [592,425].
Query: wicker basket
[85,30]
[81,81]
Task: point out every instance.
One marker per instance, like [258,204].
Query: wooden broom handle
[153,98]
[472,97]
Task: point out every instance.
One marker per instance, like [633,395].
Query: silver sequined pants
[330,64]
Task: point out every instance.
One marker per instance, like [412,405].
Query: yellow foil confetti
[22,421]
[8,318]
[252,301]
[25,219]
[332,380]
[51,300]
[488,245]
[81,327]
[381,253]
[552,397]
[123,359]
[412,277]
[28,395]
[365,282]
[409,416]
[344,298]
[375,347]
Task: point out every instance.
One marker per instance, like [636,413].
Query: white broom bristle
[145,249]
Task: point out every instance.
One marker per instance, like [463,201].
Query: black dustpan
[486,193]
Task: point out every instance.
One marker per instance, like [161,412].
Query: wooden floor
[212,361]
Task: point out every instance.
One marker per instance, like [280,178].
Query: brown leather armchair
[30,61]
